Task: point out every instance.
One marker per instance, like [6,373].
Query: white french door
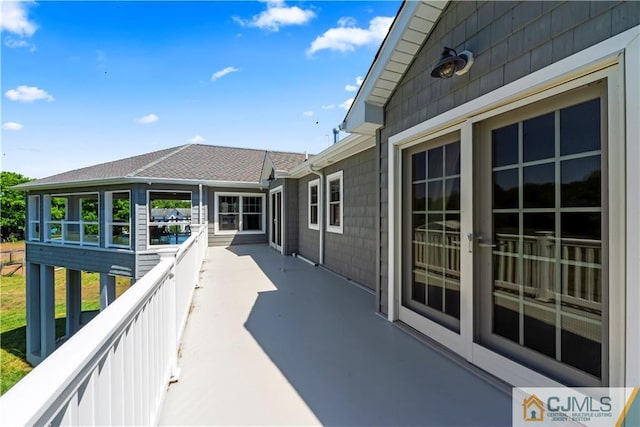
[432,279]
[541,234]
[276,218]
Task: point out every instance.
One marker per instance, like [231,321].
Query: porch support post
[33,313]
[47,311]
[107,290]
[74,301]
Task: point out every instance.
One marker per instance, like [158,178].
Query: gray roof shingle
[286,161]
[194,162]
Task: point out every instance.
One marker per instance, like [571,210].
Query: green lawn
[13,364]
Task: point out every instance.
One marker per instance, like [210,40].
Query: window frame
[109,222]
[34,218]
[151,223]
[241,196]
[313,183]
[331,228]
[66,222]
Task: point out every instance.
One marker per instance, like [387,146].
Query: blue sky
[90,82]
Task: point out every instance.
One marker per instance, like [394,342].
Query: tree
[12,204]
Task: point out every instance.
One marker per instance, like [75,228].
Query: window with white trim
[335,202]
[118,220]
[313,192]
[34,217]
[240,213]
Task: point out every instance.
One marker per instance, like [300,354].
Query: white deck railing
[116,369]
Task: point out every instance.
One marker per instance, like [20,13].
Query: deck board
[273,340]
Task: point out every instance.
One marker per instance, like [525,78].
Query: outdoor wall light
[451,62]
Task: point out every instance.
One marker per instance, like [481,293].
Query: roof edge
[363,117]
[345,148]
[135,180]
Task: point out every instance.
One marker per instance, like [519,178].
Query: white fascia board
[361,111]
[347,147]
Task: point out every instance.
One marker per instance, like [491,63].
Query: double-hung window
[334,202]
[240,213]
[313,204]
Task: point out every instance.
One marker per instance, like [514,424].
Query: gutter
[320,212]
[28,186]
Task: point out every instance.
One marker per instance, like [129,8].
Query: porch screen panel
[434,289]
[547,221]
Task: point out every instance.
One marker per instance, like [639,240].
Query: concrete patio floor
[272,340]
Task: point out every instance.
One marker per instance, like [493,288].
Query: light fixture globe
[451,63]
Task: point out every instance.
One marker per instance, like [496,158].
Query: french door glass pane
[434,289]
[547,222]
[538,138]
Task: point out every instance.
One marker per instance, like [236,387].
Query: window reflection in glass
[539,186]
[580,180]
[580,128]
[538,138]
[505,145]
[547,259]
[435,223]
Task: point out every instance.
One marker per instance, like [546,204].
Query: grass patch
[13,362]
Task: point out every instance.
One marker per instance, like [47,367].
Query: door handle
[486,245]
[481,242]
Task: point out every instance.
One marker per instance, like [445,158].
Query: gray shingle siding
[145,262]
[116,263]
[292,217]
[352,253]
[308,240]
[509,40]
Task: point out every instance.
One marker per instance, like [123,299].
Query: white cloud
[277,15]
[347,104]
[14,18]
[308,113]
[12,126]
[13,43]
[28,94]
[347,21]
[221,73]
[353,88]
[328,107]
[149,118]
[197,139]
[347,37]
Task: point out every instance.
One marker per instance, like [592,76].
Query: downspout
[320,212]
[199,204]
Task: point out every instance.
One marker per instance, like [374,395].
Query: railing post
[173,312]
